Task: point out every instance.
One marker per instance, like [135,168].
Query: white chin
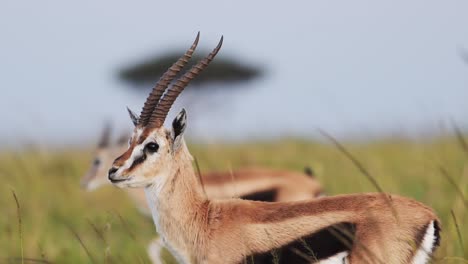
[137,185]
[120,184]
[92,186]
[130,184]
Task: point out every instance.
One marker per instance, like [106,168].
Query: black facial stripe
[138,161]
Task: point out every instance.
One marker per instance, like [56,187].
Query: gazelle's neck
[178,205]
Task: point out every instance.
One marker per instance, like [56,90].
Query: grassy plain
[60,223]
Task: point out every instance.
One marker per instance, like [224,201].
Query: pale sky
[353,68]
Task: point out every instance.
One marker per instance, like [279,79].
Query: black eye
[152,147]
[96,162]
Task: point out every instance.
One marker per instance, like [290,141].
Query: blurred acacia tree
[221,70]
[226,73]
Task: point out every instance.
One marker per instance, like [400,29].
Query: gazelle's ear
[178,128]
[123,139]
[133,116]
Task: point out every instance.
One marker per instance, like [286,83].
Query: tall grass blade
[362,169]
[460,239]
[126,226]
[81,243]
[200,178]
[460,138]
[98,232]
[18,211]
[28,260]
[454,185]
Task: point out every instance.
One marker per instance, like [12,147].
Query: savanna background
[388,81]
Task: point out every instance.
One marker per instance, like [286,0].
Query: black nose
[112,171]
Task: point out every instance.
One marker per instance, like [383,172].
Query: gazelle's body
[375,228]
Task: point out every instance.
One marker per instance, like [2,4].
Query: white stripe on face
[138,151]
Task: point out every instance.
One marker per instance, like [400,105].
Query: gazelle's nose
[112,170]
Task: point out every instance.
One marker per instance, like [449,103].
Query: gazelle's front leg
[154,251]
[155,248]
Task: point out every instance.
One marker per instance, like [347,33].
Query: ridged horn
[163,82]
[165,104]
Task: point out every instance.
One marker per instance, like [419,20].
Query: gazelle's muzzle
[113,177]
[84,183]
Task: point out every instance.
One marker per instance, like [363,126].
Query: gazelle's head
[104,156]
[153,150]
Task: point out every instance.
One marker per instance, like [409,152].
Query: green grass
[60,223]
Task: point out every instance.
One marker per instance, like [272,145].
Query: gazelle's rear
[374,227]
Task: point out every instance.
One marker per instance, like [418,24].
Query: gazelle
[259,184]
[374,227]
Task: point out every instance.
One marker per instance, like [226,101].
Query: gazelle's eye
[151,147]
[96,162]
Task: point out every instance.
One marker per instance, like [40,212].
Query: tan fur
[202,230]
